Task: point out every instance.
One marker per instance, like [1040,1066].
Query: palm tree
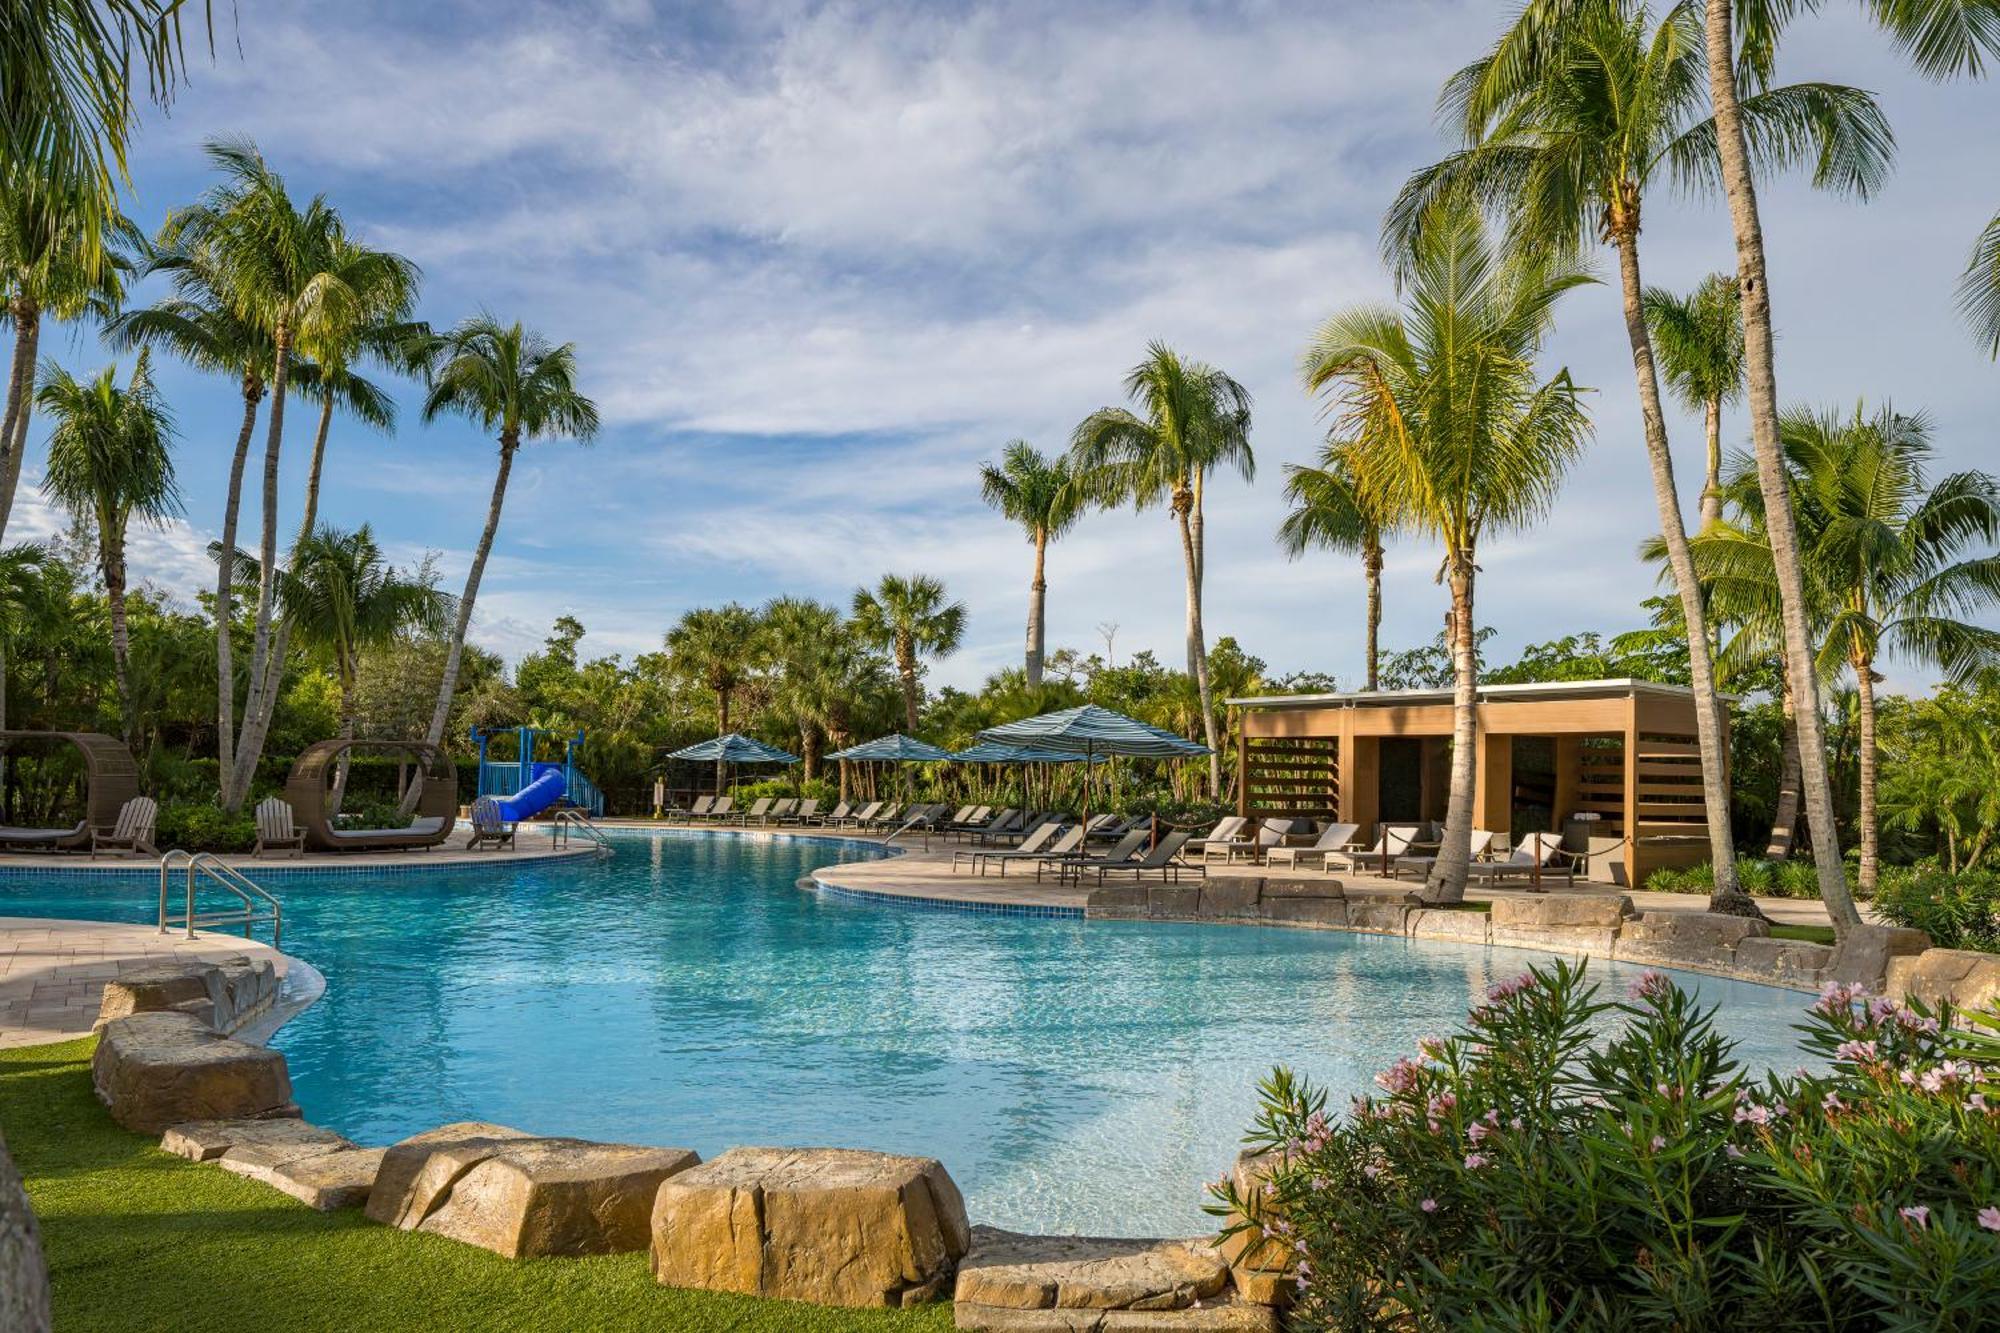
[1454,430]
[1040,495]
[717,645]
[22,580]
[341,600]
[1330,512]
[1943,38]
[909,618]
[1979,288]
[110,459]
[804,642]
[1192,420]
[1891,553]
[1569,126]
[512,382]
[1699,338]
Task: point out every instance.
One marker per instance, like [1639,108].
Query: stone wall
[24,1277]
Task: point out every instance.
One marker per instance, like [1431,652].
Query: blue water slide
[549,786]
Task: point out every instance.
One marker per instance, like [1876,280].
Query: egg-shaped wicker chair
[111,779]
[437,806]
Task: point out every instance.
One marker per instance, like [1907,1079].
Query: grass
[1810,934]
[140,1240]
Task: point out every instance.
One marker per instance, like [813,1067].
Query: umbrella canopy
[894,748]
[993,752]
[735,748]
[1091,730]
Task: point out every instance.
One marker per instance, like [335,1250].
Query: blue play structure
[523,787]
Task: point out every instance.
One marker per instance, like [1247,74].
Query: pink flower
[1473,1161]
[1480,1131]
[1508,989]
[1649,985]
[1831,1103]
[1881,1007]
[1990,1218]
[1659,1142]
[1399,1077]
[1916,1213]
[1432,1047]
[1859,1052]
[1977,1101]
[1753,1114]
[1931,1081]
[1371,1171]
[1733,1151]
[1431,1206]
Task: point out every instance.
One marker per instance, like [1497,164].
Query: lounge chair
[1540,856]
[758,809]
[1118,828]
[1162,860]
[806,812]
[276,832]
[1228,832]
[1482,842]
[45,839]
[133,833]
[966,821]
[779,809]
[857,818]
[1028,846]
[1006,826]
[699,810]
[1006,820]
[488,827]
[1271,833]
[1124,850]
[890,815]
[1332,838]
[1392,842]
[724,808]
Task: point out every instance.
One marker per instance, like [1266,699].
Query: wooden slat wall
[1669,794]
[1600,784]
[1292,777]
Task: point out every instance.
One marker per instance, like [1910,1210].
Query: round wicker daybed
[111,779]
[437,807]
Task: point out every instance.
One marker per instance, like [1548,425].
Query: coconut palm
[1943,38]
[1569,126]
[1192,420]
[1039,494]
[1454,430]
[1699,338]
[110,460]
[340,599]
[1329,511]
[1979,288]
[909,618]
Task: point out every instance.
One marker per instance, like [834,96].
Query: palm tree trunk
[20,404]
[225,587]
[311,515]
[347,712]
[722,729]
[906,668]
[1197,644]
[256,717]
[1784,824]
[1038,593]
[1708,709]
[1711,489]
[1761,377]
[1371,568]
[111,537]
[809,750]
[1446,883]
[1871,833]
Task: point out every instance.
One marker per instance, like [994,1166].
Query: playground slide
[548,787]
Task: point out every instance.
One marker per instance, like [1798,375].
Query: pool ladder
[256,903]
[566,822]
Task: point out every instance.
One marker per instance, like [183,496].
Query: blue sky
[819,261]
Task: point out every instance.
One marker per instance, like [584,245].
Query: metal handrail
[563,821]
[214,868]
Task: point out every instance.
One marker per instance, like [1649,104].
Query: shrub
[1958,911]
[782,788]
[372,814]
[1770,879]
[1528,1174]
[202,826]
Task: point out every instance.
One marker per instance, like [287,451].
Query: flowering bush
[1957,909]
[1528,1173]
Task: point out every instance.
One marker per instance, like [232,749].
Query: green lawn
[141,1240]
[1810,934]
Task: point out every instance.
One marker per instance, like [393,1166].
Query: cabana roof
[1540,689]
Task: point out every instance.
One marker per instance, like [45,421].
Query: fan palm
[1699,338]
[909,618]
[1979,289]
[340,599]
[513,382]
[110,460]
[1454,430]
[1570,125]
[716,645]
[1329,511]
[1943,38]
[1192,420]
[1039,494]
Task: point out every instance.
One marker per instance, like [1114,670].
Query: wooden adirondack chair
[133,833]
[488,826]
[275,830]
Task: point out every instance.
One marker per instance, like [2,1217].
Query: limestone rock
[1704,940]
[1231,897]
[418,1172]
[1173,902]
[1012,1271]
[1302,887]
[1963,978]
[1383,913]
[145,989]
[831,1225]
[159,1069]
[24,1274]
[1862,957]
[341,1178]
[1787,962]
[222,994]
[1562,911]
[206,1140]
[1303,911]
[1439,923]
[537,1197]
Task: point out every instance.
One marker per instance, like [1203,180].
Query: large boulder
[223,994]
[1786,962]
[1585,923]
[1010,1271]
[1380,913]
[1703,940]
[1443,923]
[521,1195]
[206,1140]
[1962,978]
[1862,956]
[830,1225]
[159,1069]
[24,1274]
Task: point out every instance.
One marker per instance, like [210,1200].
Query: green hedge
[1957,910]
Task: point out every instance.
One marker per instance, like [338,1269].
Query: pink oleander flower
[1831,1103]
[1881,1007]
[1431,1206]
[1399,1077]
[1990,1218]
[1931,1080]
[1479,1131]
[1732,1151]
[1858,1052]
[1371,1171]
[1917,1214]
[1977,1101]
[1753,1114]
[1443,1104]
[1431,1047]
[1508,989]
[1659,1142]
[1515,1123]
[1474,1160]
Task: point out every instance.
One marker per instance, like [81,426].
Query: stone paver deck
[534,840]
[52,973]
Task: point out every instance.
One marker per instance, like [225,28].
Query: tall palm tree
[1892,554]
[514,383]
[1192,420]
[1038,493]
[1699,338]
[909,618]
[1943,38]
[110,460]
[1979,288]
[1569,125]
[717,645]
[802,641]
[1454,429]
[341,599]
[1329,511]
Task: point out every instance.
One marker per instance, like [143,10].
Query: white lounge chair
[1540,856]
[1392,842]
[1482,842]
[1227,833]
[1332,838]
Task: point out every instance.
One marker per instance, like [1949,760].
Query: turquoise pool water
[1072,1077]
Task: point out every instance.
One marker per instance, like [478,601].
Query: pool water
[1072,1077]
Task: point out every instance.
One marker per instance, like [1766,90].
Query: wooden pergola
[1612,764]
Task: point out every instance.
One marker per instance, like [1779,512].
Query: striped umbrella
[1090,732]
[894,748]
[993,752]
[727,751]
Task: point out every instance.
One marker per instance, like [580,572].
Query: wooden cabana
[437,805]
[111,779]
[1612,765]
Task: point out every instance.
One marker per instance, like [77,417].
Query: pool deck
[448,856]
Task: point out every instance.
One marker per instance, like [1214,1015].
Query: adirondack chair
[488,826]
[275,830]
[133,833]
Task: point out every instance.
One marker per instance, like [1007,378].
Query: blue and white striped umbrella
[735,748]
[993,752]
[895,748]
[1091,730]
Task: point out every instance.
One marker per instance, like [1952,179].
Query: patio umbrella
[895,748]
[994,752]
[733,749]
[1090,731]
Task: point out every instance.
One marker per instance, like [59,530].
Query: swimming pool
[1071,1077]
